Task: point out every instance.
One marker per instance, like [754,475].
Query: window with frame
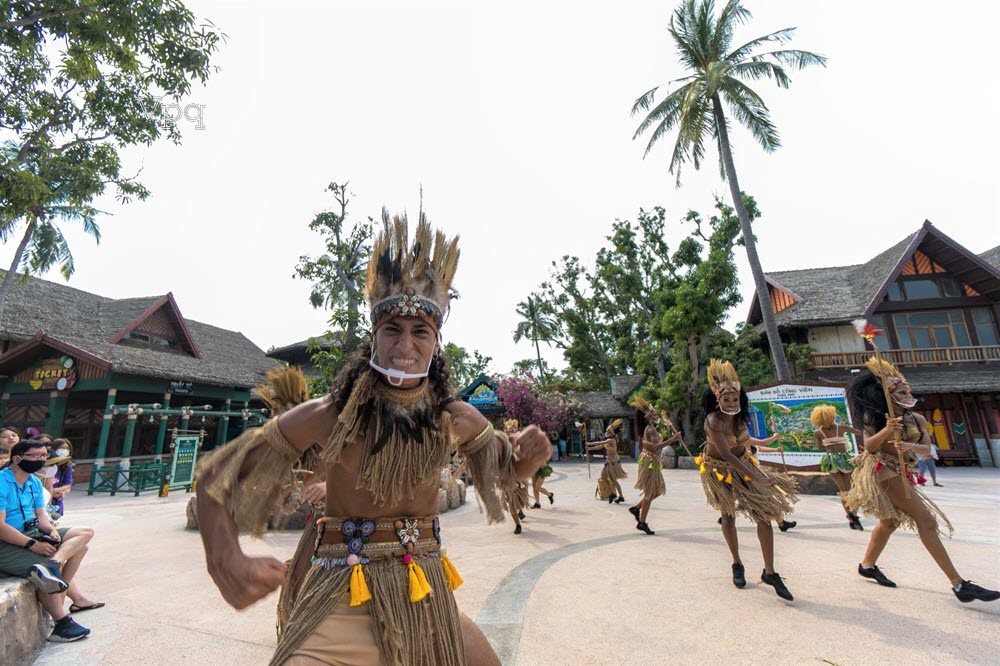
[986,327]
[931,330]
[881,341]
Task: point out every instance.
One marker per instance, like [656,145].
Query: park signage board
[184,461]
[53,374]
[785,409]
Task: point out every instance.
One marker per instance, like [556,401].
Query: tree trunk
[763,297]
[8,279]
[538,351]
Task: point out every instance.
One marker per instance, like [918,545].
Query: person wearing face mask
[877,483]
[62,480]
[379,589]
[731,478]
[30,547]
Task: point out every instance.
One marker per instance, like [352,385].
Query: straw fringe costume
[378,590]
[732,494]
[649,480]
[612,471]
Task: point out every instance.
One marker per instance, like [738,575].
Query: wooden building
[939,305]
[69,355]
[603,407]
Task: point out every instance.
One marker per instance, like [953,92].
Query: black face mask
[31,466]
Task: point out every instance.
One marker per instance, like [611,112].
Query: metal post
[161,434]
[222,432]
[102,444]
[133,417]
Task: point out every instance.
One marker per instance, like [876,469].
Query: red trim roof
[173,310]
[42,339]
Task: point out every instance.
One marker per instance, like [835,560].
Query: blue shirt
[19,503]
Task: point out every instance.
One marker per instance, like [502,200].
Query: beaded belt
[353,542]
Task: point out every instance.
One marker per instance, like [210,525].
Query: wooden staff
[671,432]
[892,415]
[588,460]
[781,449]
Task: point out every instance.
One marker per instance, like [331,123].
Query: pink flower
[879,466]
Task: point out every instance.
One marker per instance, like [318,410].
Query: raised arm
[241,483]
[597,446]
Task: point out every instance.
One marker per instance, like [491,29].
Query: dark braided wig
[867,400]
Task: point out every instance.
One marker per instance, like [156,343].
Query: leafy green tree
[695,109]
[338,275]
[465,367]
[536,325]
[81,80]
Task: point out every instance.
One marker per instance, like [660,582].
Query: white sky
[515,119]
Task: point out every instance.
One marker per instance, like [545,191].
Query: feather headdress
[888,374]
[643,406]
[617,423]
[285,388]
[511,426]
[410,280]
[722,378]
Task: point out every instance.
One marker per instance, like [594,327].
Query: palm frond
[743,52]
[795,58]
[641,104]
[758,69]
[751,112]
[667,111]
[732,14]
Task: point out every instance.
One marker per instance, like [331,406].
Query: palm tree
[536,325]
[695,109]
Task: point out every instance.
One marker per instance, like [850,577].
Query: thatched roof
[298,352]
[91,323]
[926,380]
[840,294]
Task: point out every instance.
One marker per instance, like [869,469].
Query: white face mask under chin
[397,377]
[910,404]
[726,411]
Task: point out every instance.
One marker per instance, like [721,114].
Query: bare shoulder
[919,418]
[309,423]
[466,421]
[713,422]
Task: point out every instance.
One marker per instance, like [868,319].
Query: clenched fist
[532,449]
[244,580]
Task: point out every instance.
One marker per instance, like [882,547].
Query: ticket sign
[53,374]
[184,462]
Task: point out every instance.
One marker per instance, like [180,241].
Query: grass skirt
[544,472]
[298,569]
[836,462]
[873,472]
[649,480]
[760,504]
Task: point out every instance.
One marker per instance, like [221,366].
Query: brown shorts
[16,560]
[342,638]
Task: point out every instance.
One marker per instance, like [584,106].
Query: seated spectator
[62,483]
[30,547]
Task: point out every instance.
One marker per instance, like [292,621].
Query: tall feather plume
[427,264]
[286,388]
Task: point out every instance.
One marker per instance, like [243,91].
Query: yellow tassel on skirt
[649,480]
[359,586]
[450,572]
[730,495]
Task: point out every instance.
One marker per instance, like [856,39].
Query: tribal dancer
[835,461]
[879,478]
[731,478]
[544,472]
[379,589]
[613,471]
[649,479]
[515,503]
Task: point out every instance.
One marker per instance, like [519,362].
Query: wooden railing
[910,357]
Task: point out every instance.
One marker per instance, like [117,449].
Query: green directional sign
[185,458]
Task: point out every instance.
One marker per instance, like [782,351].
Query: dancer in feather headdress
[885,468]
[649,479]
[732,480]
[612,473]
[379,588]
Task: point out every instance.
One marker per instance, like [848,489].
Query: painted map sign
[484,395]
[53,374]
[786,409]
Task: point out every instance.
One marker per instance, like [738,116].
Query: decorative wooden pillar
[161,434]
[57,413]
[102,444]
[133,417]
[223,429]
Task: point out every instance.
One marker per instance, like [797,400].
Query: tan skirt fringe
[649,480]
[298,569]
[426,633]
[760,504]
[868,494]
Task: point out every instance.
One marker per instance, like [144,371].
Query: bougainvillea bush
[531,404]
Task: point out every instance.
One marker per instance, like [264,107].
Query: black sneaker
[969,591]
[520,515]
[774,580]
[67,631]
[787,525]
[634,510]
[536,505]
[552,498]
[47,578]
[739,575]
[611,498]
[855,522]
[719,520]
[643,527]
[517,530]
[619,500]
[876,575]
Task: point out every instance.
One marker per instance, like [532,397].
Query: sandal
[79,609]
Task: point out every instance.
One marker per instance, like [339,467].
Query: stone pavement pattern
[582,586]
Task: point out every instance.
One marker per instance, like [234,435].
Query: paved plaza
[582,586]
